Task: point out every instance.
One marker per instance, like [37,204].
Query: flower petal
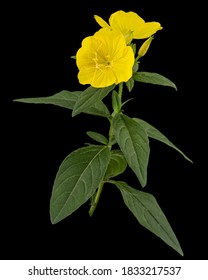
[122,67]
[147,30]
[83,56]
[126,23]
[123,21]
[101,22]
[103,79]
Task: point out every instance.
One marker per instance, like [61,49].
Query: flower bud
[145,46]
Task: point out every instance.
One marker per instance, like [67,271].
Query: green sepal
[77,179]
[133,46]
[117,164]
[148,213]
[89,97]
[153,78]
[134,143]
[98,137]
[154,133]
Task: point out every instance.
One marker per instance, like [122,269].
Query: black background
[39,41]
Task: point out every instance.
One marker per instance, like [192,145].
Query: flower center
[102,62]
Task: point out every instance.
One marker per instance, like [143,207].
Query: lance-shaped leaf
[67,99]
[117,164]
[149,214]
[77,179]
[134,143]
[89,97]
[98,137]
[130,84]
[116,102]
[153,78]
[64,98]
[156,134]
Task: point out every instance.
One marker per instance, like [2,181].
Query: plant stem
[120,90]
[96,199]
[110,135]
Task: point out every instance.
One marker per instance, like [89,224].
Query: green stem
[120,90]
[96,199]
[110,135]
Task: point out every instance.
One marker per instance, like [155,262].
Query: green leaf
[134,143]
[67,99]
[89,97]
[135,66]
[127,101]
[130,84]
[156,134]
[117,164]
[116,101]
[98,137]
[98,109]
[153,78]
[149,214]
[77,179]
[64,98]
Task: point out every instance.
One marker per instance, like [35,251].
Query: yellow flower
[104,59]
[131,25]
[145,46]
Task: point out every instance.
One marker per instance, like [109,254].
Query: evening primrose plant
[108,62]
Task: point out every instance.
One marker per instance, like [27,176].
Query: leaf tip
[74,113]
[179,250]
[16,100]
[143,184]
[54,220]
[191,161]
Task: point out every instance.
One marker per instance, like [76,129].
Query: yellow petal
[103,79]
[86,74]
[126,23]
[101,22]
[147,30]
[111,40]
[123,67]
[83,56]
[123,21]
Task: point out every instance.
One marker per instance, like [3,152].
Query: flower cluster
[107,57]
